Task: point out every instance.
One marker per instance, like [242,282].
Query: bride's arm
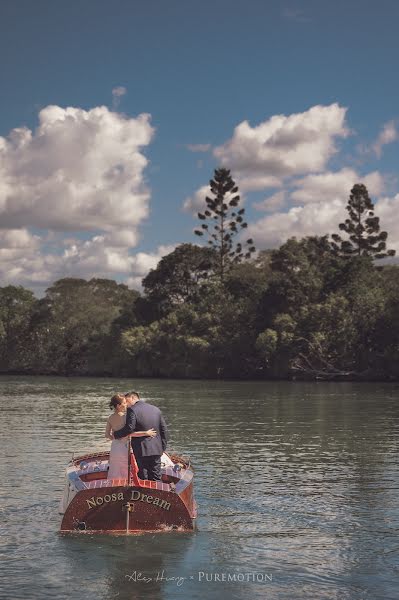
[108,429]
[149,433]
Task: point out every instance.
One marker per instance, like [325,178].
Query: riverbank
[294,377]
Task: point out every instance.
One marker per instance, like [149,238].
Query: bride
[118,456]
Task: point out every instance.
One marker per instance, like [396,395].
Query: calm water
[296,484]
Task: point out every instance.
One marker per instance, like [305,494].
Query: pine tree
[225,222]
[363,228]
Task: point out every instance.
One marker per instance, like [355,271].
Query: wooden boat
[93,503]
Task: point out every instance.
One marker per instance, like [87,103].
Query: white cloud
[196,202]
[17,239]
[83,171]
[388,134]
[291,154]
[143,261]
[271,203]
[283,146]
[96,257]
[18,254]
[99,257]
[20,259]
[26,259]
[387,209]
[320,205]
[268,155]
[316,218]
[334,185]
[122,238]
[254,183]
[80,170]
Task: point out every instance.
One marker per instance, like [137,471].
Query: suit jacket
[140,417]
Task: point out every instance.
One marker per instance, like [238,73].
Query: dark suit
[147,450]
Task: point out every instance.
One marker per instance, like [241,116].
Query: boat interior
[94,467]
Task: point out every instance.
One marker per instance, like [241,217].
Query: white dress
[118,458]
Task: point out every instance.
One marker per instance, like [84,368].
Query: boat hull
[93,503]
[105,509]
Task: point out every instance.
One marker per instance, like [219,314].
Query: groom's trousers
[149,467]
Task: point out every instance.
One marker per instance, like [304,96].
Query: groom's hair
[132,394]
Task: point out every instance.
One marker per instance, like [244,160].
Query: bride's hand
[151,432]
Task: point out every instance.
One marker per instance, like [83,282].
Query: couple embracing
[141,424]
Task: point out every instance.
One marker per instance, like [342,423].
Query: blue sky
[199,69]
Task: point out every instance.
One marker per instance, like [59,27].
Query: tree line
[317,307]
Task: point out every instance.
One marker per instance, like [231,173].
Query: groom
[141,416]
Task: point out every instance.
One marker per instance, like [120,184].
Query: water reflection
[127,567]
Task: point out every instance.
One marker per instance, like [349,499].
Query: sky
[114,115]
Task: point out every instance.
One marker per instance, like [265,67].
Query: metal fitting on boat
[129,506]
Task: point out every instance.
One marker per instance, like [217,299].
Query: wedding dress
[118,458]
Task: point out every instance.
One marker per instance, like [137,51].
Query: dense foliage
[303,310]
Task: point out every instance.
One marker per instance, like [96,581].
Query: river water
[297,486]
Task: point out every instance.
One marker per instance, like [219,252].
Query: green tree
[386,330]
[16,306]
[326,338]
[247,282]
[362,227]
[275,345]
[225,222]
[179,276]
[213,338]
[331,327]
[363,287]
[73,324]
[174,346]
[302,271]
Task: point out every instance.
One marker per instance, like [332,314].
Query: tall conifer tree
[362,227]
[225,222]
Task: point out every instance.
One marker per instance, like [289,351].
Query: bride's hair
[116,400]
